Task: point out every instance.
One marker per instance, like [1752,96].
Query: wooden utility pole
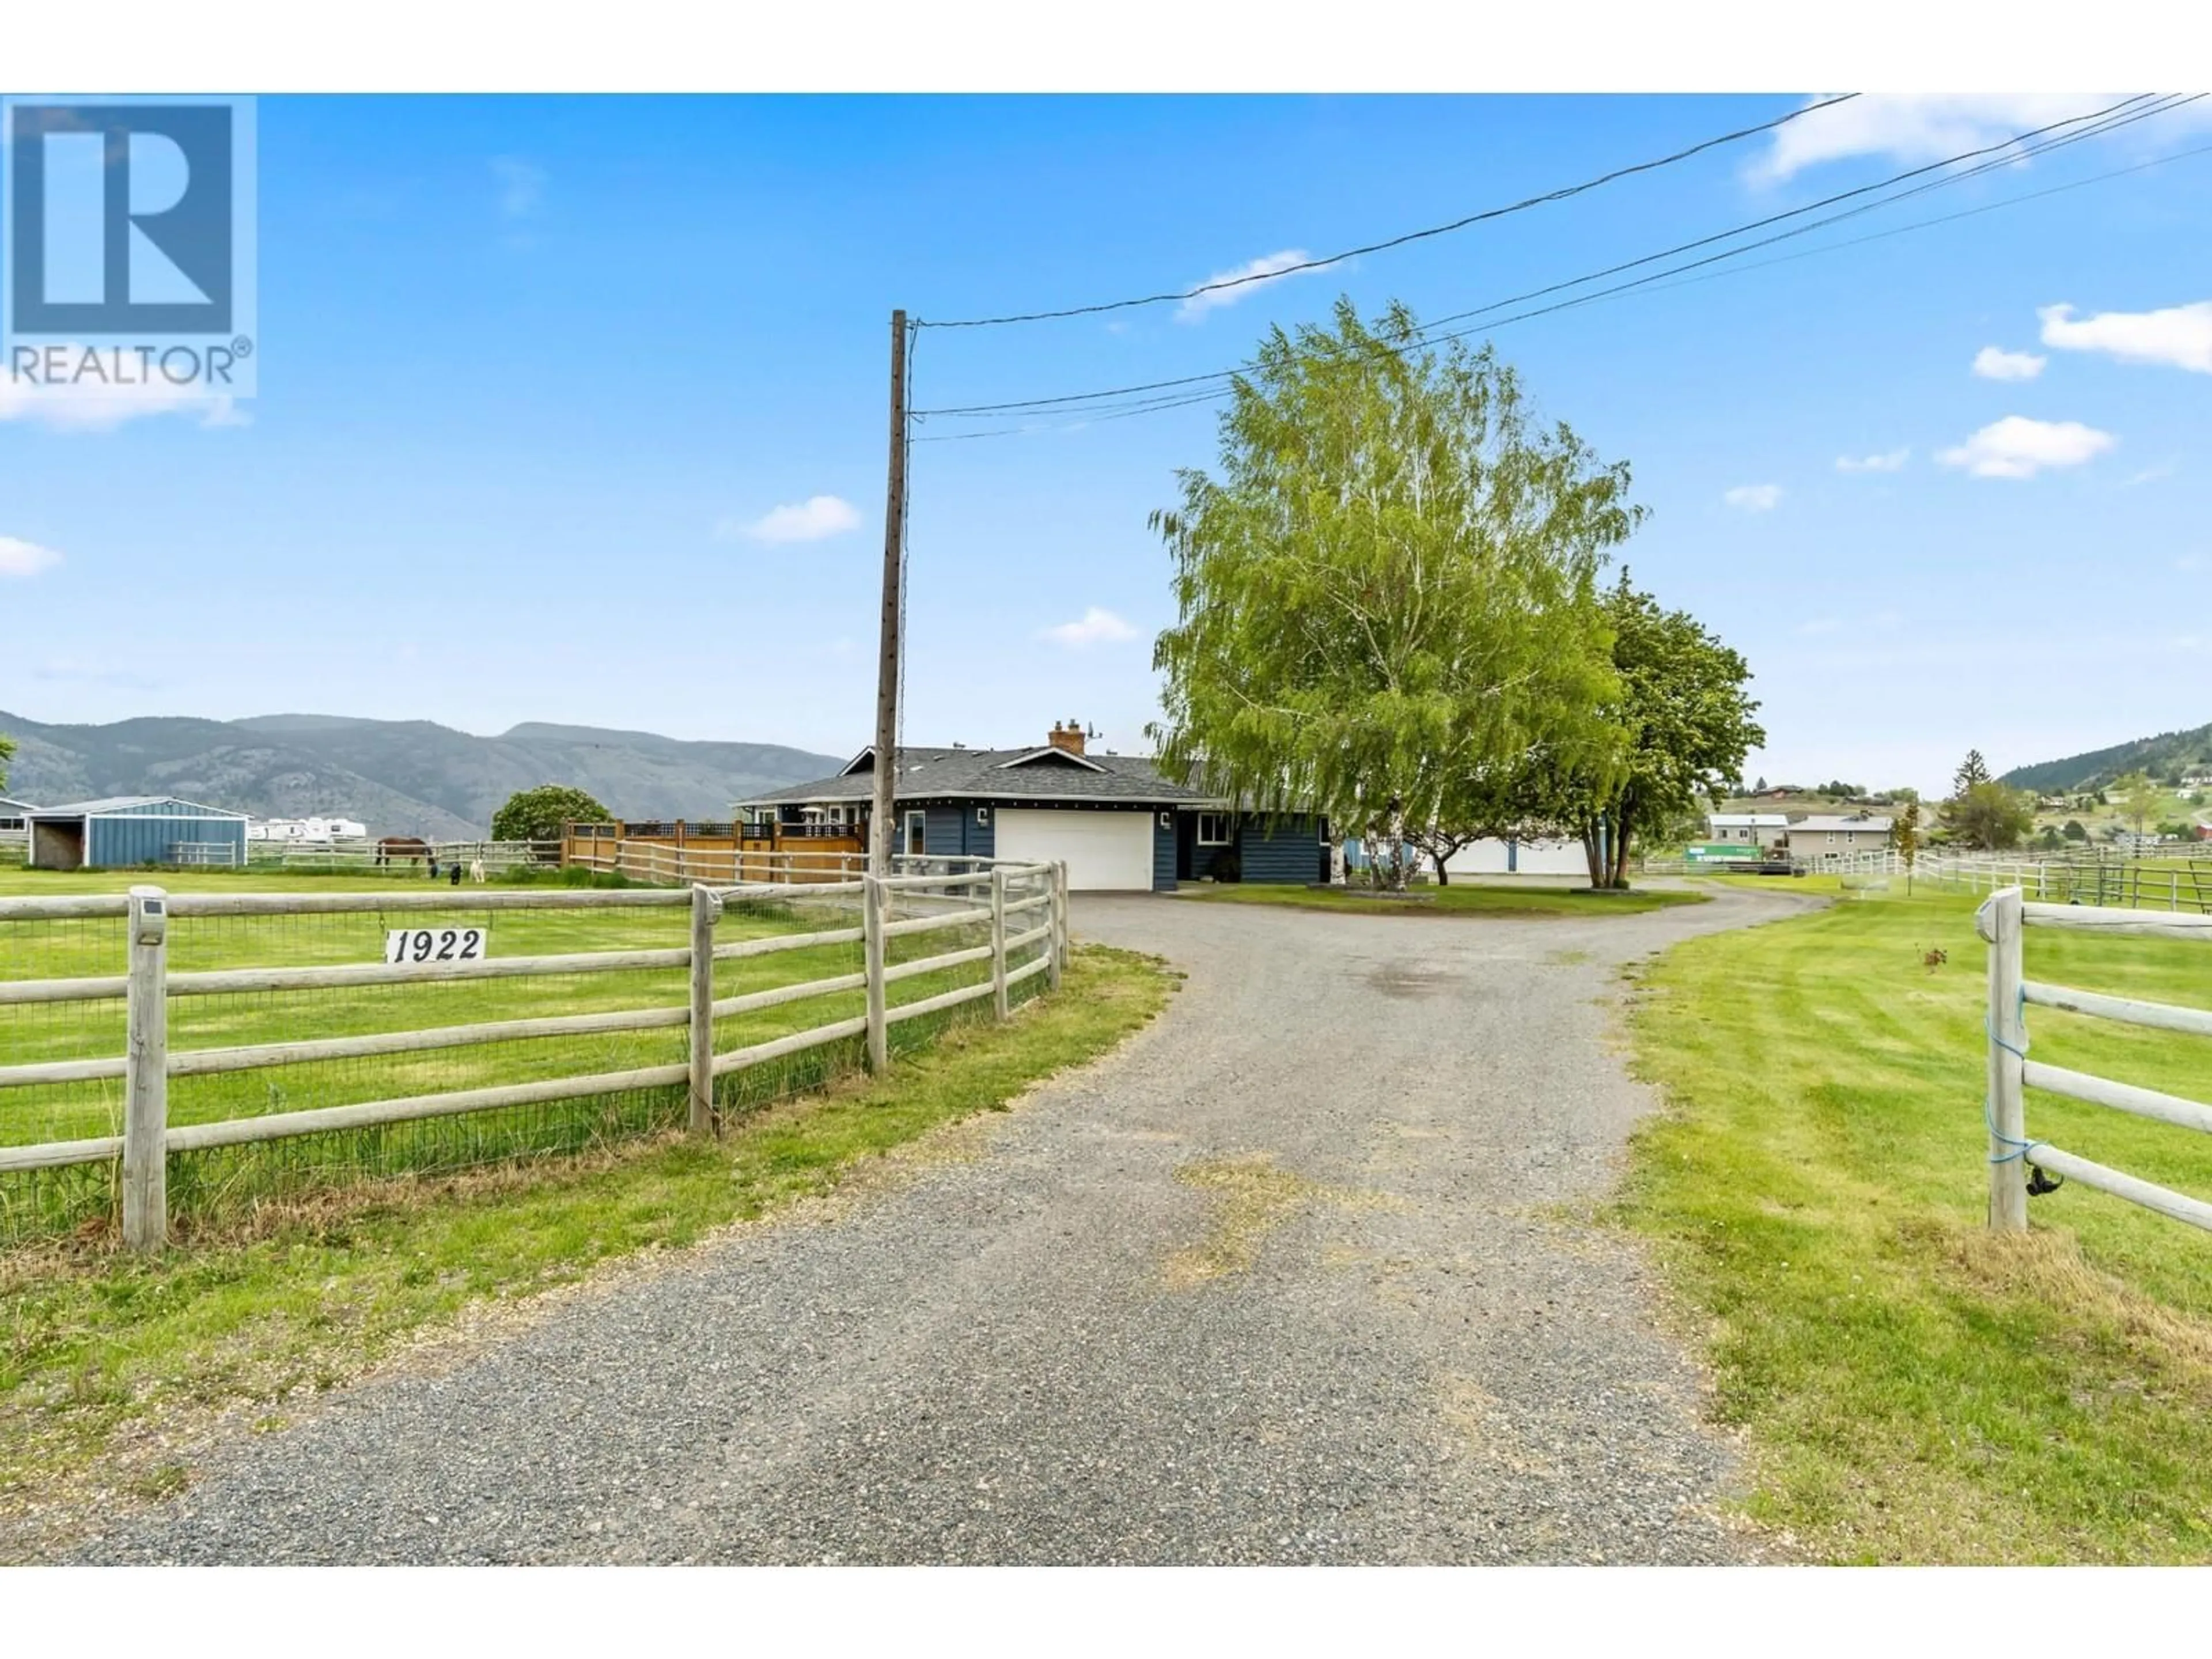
[887,662]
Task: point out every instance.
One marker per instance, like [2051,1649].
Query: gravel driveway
[1296,1276]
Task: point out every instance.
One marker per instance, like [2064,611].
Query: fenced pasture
[1921,1387]
[2179,880]
[171,1054]
[498,858]
[2014,1156]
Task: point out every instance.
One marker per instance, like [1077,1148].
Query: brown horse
[409,848]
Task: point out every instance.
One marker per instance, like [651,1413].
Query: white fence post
[999,943]
[1998,921]
[146,1075]
[706,911]
[1056,941]
[872,923]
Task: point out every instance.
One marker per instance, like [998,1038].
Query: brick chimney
[1068,736]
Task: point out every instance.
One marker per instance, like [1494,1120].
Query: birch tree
[1388,593]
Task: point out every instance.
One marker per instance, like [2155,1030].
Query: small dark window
[1213,829]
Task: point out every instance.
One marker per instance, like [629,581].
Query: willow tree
[1389,596]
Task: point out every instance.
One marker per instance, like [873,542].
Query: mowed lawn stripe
[1916,1388]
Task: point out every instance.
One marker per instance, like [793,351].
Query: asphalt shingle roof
[973,773]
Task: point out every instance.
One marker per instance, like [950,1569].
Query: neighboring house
[1767,831]
[1818,835]
[1115,821]
[127,830]
[12,814]
[1544,856]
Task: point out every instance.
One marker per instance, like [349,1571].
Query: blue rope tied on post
[2021,1148]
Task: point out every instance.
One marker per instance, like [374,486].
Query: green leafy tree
[7,753]
[1972,771]
[2137,797]
[2072,831]
[1387,596]
[1683,720]
[539,814]
[1905,836]
[1990,816]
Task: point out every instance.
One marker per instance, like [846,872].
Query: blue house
[1117,822]
[125,831]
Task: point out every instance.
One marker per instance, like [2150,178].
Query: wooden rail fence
[1024,907]
[2001,920]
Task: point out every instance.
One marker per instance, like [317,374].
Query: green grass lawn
[95,1346]
[1915,1388]
[1461,898]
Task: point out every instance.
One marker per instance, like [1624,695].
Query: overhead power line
[1185,390]
[1522,206]
[1946,218]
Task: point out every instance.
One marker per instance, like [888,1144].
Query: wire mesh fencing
[309,1041]
[78,1046]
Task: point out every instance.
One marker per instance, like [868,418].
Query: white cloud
[2149,475]
[1993,364]
[1890,461]
[2179,335]
[816,518]
[2017,447]
[1909,128]
[92,406]
[521,186]
[1753,498]
[22,558]
[1097,627]
[1251,277]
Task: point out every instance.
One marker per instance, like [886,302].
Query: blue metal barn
[129,830]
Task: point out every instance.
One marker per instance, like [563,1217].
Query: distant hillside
[399,777]
[2169,751]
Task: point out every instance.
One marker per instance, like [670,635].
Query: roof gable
[1049,755]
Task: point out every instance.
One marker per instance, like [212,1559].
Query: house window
[1213,829]
[917,832]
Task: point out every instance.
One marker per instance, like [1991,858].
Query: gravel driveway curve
[1292,1277]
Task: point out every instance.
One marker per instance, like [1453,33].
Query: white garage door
[1104,851]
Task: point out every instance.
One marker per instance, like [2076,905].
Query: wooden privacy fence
[786,862]
[1016,912]
[2001,920]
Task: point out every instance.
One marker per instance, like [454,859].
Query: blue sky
[535,376]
